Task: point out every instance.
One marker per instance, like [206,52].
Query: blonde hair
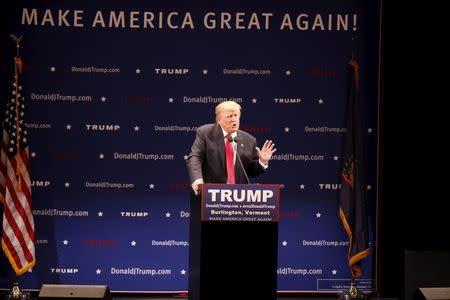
[226,106]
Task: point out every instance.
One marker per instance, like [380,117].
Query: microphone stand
[231,140]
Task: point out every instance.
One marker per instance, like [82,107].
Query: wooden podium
[233,242]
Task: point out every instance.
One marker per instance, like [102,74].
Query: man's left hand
[265,153]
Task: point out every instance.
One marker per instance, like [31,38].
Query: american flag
[15,184]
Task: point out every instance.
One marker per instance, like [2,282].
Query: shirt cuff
[198,181]
[265,166]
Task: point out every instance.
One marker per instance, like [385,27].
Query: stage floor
[34,296]
[302,297]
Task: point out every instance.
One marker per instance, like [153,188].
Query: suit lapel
[237,168]
[218,136]
[238,145]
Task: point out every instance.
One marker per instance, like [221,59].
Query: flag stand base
[353,293]
[15,293]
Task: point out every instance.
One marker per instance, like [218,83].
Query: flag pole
[353,292]
[15,293]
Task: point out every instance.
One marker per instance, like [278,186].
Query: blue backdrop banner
[115,91]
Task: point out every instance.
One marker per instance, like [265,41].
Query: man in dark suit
[207,162]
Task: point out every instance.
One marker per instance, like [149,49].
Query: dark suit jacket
[207,157]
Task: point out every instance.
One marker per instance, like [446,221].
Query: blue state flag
[352,200]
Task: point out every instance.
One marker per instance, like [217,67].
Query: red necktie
[230,160]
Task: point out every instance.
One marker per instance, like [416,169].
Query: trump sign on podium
[240,202]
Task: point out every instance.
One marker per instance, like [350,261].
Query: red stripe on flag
[20,208]
[24,185]
[19,237]
[12,251]
[25,160]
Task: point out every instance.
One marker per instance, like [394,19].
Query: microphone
[236,140]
